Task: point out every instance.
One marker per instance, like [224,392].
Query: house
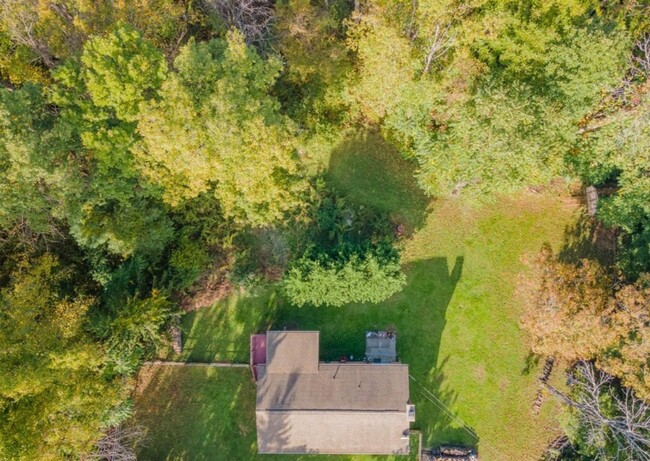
[307,406]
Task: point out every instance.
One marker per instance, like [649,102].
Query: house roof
[337,386]
[292,352]
[332,432]
[304,406]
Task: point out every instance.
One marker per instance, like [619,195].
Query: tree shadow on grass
[370,172]
[531,364]
[196,413]
[588,238]
[432,284]
[221,332]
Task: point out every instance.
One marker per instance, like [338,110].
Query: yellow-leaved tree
[216,128]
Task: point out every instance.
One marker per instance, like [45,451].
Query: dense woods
[145,145]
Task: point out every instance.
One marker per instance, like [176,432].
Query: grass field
[457,323]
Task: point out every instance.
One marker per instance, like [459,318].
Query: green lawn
[457,323]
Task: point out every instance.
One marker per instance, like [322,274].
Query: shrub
[359,278]
[186,264]
[137,329]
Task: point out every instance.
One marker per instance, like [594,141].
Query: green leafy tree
[520,120]
[384,66]
[310,38]
[186,263]
[487,96]
[135,329]
[349,257]
[29,181]
[55,392]
[216,128]
[109,206]
[119,69]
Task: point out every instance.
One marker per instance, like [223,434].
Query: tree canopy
[55,388]
[229,125]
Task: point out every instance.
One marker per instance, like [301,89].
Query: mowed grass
[457,324]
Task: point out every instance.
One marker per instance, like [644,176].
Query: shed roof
[381,347]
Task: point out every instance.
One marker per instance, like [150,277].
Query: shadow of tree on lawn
[221,332]
[370,172]
[588,238]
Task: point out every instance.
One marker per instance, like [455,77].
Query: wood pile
[177,343]
[450,453]
[543,379]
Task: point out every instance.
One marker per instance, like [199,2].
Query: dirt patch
[480,373]
[211,288]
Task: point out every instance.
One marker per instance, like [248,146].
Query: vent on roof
[410,413]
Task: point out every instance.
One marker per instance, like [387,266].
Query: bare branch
[412,31]
[117,444]
[20,19]
[624,428]
[440,43]
[641,60]
[251,17]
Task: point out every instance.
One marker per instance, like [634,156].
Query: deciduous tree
[217,128]
[566,309]
[55,392]
[629,357]
[119,69]
[110,206]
